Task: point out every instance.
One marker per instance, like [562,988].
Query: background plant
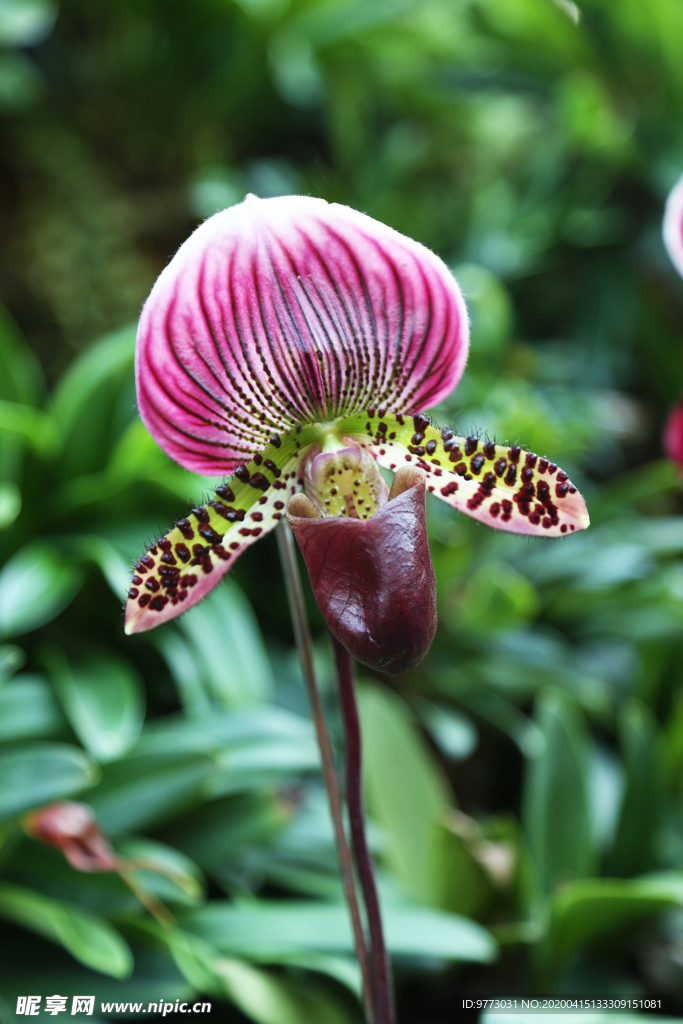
[525,781]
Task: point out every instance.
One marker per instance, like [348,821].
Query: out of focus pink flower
[673,435]
[673,239]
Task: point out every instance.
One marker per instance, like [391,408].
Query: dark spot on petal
[210,535]
[225,492]
[186,528]
[220,508]
[260,482]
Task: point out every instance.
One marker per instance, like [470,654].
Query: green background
[524,783]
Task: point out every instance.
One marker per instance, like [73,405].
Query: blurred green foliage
[525,782]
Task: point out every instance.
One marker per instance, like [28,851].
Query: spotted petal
[290,310]
[184,565]
[500,485]
[673,226]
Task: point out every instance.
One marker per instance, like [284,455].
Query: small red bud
[72,828]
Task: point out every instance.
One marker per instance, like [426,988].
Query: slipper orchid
[294,345]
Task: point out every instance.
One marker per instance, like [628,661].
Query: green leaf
[114,568]
[263,929]
[496,597]
[88,937]
[21,83]
[220,730]
[28,709]
[219,834]
[592,908]
[556,807]
[262,995]
[20,375]
[252,747]
[453,732]
[103,699]
[228,649]
[33,425]
[164,871]
[144,790]
[270,998]
[633,851]
[36,584]
[155,978]
[37,773]
[406,792]
[93,402]
[11,659]
[10,503]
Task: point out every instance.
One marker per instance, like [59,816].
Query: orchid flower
[293,346]
[673,240]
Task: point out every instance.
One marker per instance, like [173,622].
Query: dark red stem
[382,987]
[305,648]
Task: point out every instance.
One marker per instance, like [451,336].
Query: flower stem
[285,540]
[383,993]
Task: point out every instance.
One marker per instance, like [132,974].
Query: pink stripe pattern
[283,311]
